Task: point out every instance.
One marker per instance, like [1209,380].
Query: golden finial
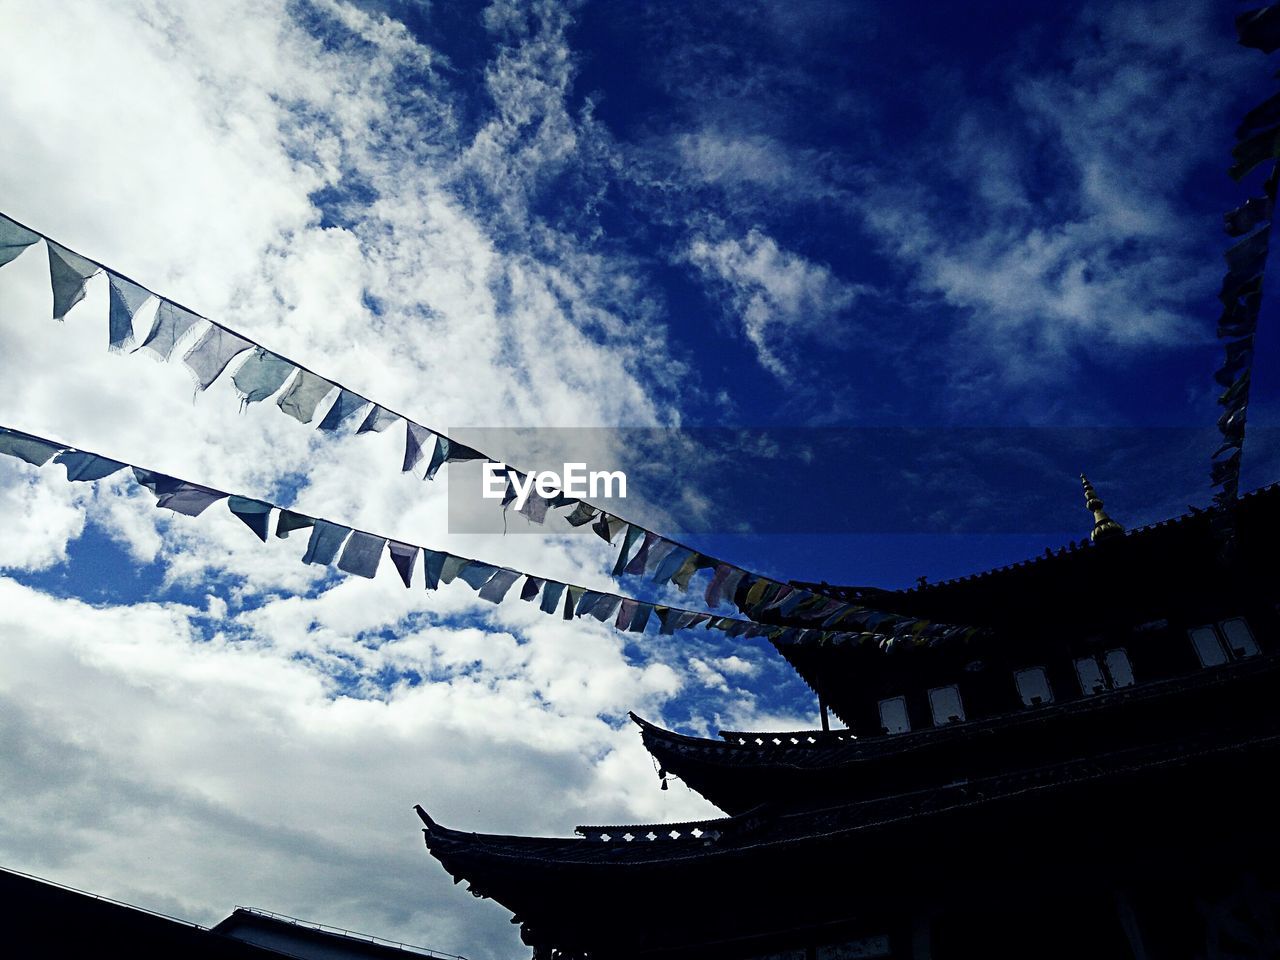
[1103,526]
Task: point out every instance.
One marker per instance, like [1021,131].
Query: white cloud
[778,297]
[39,519]
[193,774]
[252,749]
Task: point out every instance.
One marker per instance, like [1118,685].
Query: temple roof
[1168,570]
[798,769]
[1061,566]
[737,875]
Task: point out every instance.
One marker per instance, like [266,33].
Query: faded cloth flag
[14,239]
[211,354]
[34,450]
[326,539]
[125,300]
[362,554]
[87,466]
[261,375]
[255,515]
[169,326]
[304,395]
[68,273]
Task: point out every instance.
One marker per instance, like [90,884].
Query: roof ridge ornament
[1104,527]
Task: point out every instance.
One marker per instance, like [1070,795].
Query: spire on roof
[1103,526]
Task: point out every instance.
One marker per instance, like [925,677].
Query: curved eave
[587,849]
[536,877]
[720,771]
[745,770]
[613,899]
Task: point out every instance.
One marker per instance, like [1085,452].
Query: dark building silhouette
[1086,777]
[43,919]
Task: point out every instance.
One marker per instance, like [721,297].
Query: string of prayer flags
[300,392]
[359,553]
[1258,140]
[263,374]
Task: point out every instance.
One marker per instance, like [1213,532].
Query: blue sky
[896,274]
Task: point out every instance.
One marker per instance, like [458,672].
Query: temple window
[946,706]
[1119,671]
[1033,686]
[893,715]
[1229,640]
[1239,637]
[1110,672]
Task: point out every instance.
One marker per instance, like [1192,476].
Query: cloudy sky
[814,220]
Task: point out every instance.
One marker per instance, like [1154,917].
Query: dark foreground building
[43,919]
[1087,776]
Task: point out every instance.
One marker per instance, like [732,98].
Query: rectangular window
[1208,647]
[1110,672]
[1033,686]
[1119,672]
[893,715]
[1239,638]
[1090,673]
[945,704]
